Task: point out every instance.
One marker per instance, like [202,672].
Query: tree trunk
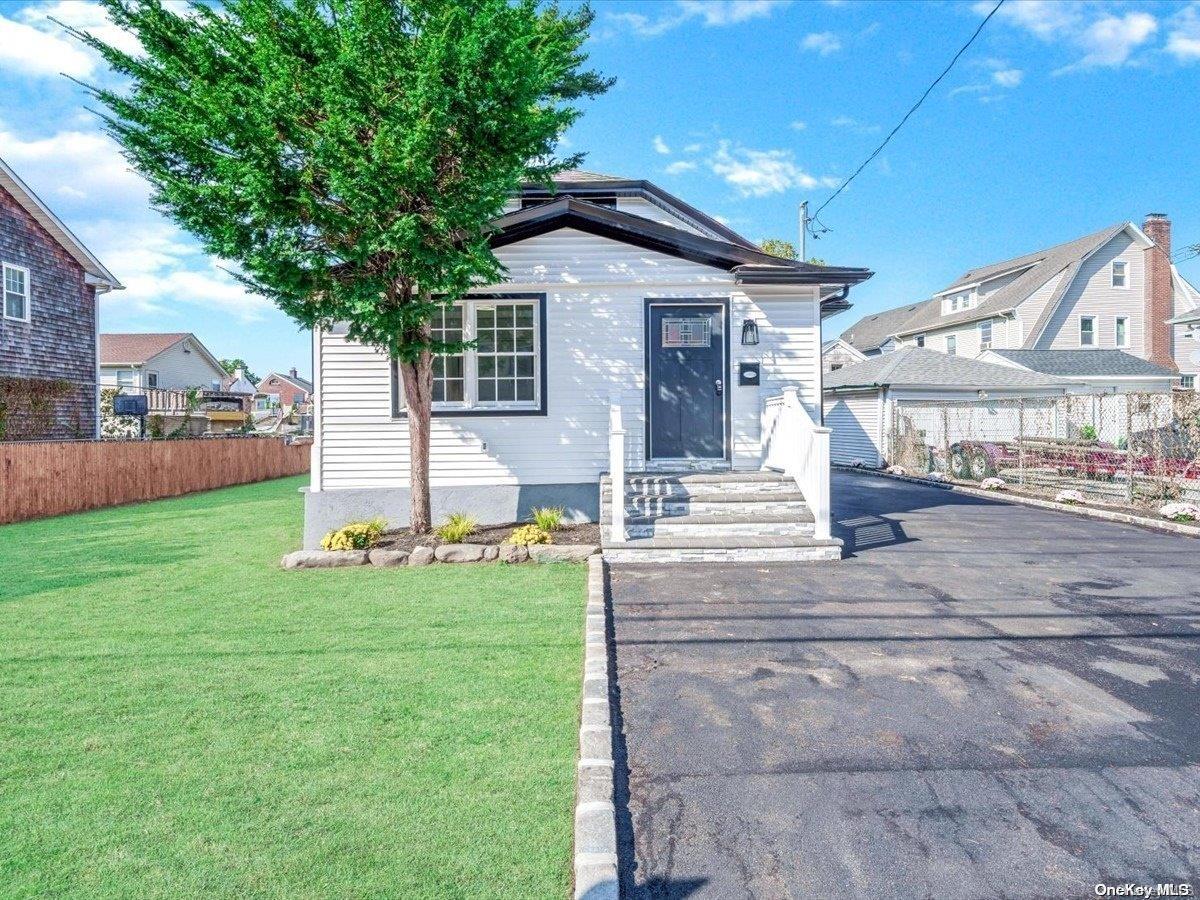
[417,378]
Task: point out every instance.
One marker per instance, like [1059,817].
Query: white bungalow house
[634,335]
[1112,290]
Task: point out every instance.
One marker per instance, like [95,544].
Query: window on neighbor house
[503,371]
[1087,331]
[1188,381]
[985,334]
[16,293]
[125,377]
[952,345]
[834,367]
[920,340]
[151,379]
[1122,331]
[1120,273]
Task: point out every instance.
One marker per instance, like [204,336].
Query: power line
[815,220]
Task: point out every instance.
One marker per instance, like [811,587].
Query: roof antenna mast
[803,230]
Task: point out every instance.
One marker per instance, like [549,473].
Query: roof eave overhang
[748,266]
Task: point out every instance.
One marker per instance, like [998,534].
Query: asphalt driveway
[983,700]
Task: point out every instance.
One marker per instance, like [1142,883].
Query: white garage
[858,399]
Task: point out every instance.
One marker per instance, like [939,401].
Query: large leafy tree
[348,155]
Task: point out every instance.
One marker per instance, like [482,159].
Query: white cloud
[1008,78]
[797,125]
[84,178]
[854,125]
[822,42]
[712,13]
[693,148]
[680,166]
[759,173]
[1183,41]
[31,51]
[660,146]
[1105,39]
[85,16]
[1110,40]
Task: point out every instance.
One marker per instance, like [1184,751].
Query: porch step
[797,523]
[712,516]
[729,549]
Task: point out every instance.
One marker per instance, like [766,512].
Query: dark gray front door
[686,347]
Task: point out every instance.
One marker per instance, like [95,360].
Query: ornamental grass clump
[547,518]
[1180,512]
[528,534]
[355,536]
[456,527]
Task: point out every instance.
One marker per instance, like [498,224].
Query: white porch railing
[797,446]
[616,470]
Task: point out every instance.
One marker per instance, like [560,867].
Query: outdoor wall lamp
[749,333]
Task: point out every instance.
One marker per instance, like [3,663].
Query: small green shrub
[456,527]
[547,518]
[1088,433]
[355,536]
[528,534]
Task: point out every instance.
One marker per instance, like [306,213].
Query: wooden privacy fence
[51,478]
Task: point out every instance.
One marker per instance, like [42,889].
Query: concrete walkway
[983,700]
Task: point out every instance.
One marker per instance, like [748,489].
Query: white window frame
[133,380]
[151,376]
[1112,274]
[28,317]
[1092,320]
[985,343]
[471,402]
[1117,342]
[952,345]
[1187,382]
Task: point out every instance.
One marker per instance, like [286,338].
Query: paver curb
[595,812]
[1106,515]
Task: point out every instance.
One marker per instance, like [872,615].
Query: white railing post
[616,471]
[795,444]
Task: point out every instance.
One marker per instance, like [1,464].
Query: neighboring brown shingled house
[48,319]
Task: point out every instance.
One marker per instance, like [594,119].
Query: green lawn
[181,718]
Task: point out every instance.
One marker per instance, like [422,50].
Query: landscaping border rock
[595,811]
[458,553]
[1090,512]
[545,553]
[324,559]
[388,558]
[420,556]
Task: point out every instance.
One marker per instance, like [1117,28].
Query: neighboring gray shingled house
[1114,289]
[48,317]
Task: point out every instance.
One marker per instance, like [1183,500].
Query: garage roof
[913,366]
[1085,363]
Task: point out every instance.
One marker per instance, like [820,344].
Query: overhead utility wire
[907,116]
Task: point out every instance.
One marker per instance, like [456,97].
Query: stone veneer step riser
[666,528]
[706,491]
[657,506]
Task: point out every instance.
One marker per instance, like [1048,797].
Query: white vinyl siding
[1092,294]
[854,419]
[595,306]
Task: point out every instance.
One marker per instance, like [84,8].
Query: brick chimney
[292,371]
[1159,290]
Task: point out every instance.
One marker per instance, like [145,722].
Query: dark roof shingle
[917,366]
[1085,363]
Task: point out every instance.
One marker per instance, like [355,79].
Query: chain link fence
[1133,449]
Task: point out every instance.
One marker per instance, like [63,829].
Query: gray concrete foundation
[325,511]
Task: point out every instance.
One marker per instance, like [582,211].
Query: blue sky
[1062,118]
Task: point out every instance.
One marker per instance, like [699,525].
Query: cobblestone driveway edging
[595,813]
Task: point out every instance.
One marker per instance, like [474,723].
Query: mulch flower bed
[489,535]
